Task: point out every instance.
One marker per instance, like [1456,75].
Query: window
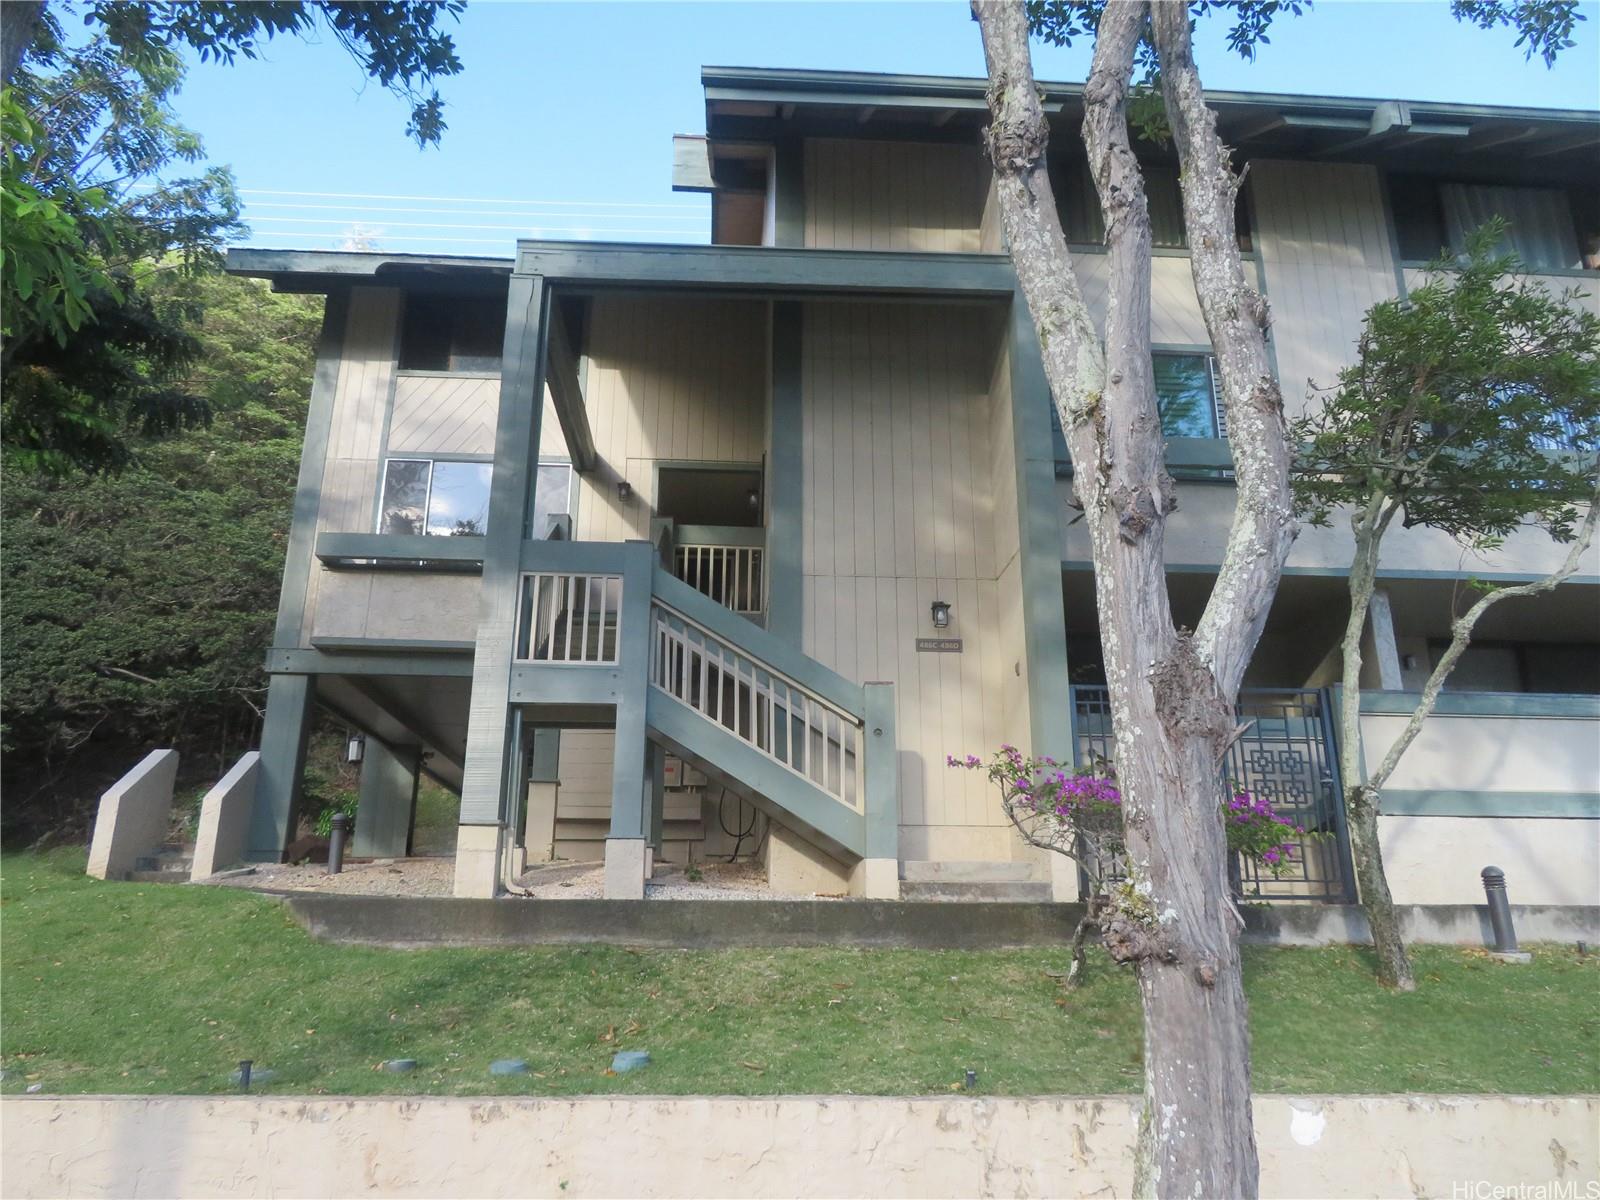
[1433,217]
[452,333]
[552,496]
[443,499]
[1186,394]
[451,499]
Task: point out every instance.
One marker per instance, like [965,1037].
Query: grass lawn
[156,988]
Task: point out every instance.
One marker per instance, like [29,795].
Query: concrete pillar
[627,861]
[388,800]
[1380,654]
[290,699]
[479,849]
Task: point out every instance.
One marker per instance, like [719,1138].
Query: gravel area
[551,881]
[718,881]
[381,877]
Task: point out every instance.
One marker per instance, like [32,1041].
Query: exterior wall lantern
[624,490]
[354,747]
[940,611]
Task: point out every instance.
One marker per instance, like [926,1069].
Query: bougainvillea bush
[1078,812]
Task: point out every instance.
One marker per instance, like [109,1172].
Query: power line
[493,212]
[450,225]
[460,199]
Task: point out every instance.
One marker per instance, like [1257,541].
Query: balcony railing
[569,618]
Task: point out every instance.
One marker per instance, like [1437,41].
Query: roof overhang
[745,102]
[322,271]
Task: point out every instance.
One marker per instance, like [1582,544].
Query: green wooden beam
[768,269]
[566,391]
[313,463]
[284,732]
[516,450]
[786,474]
[336,548]
[391,646]
[292,660]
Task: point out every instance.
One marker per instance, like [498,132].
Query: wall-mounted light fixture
[753,499]
[624,490]
[940,611]
[354,747]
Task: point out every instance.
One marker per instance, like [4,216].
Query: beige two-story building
[675,551]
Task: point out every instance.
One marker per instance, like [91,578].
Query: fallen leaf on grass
[752,1066]
[953,1020]
[610,1035]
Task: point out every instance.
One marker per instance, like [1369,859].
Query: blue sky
[561,124]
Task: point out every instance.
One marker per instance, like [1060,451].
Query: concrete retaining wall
[225,818]
[1326,1146]
[134,816]
[892,924]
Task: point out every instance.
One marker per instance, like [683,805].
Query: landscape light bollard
[244,1074]
[341,827]
[1505,934]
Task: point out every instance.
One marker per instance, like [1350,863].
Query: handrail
[758,643]
[773,715]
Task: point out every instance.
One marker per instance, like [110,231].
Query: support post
[626,857]
[480,839]
[284,733]
[388,800]
[877,875]
[655,786]
[544,790]
[786,474]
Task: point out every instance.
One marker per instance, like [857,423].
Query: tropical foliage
[139,604]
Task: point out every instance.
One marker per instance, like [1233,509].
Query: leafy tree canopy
[138,603]
[1473,408]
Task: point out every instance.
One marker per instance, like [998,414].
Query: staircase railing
[770,712]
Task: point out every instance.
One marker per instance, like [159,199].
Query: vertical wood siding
[1174,311]
[900,511]
[1328,257]
[361,401]
[867,195]
[669,378]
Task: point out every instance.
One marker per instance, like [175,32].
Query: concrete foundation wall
[225,818]
[1437,860]
[1325,1146]
[133,816]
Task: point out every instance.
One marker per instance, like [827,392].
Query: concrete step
[164,862]
[975,892]
[967,872]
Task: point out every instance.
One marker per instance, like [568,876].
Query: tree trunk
[19,25]
[1394,964]
[1171,692]
[1360,800]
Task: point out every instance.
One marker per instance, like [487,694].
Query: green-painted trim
[1044,620]
[565,376]
[1417,264]
[388,794]
[284,733]
[290,660]
[1180,568]
[567,683]
[1211,453]
[335,548]
[789,202]
[882,774]
[1486,704]
[769,269]
[560,555]
[786,476]
[629,786]
[655,787]
[390,645]
[1436,802]
[719,535]
[760,643]
[886,89]
[313,464]
[516,450]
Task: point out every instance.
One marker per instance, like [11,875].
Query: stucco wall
[1437,860]
[791,1146]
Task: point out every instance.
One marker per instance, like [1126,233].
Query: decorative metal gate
[1286,754]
